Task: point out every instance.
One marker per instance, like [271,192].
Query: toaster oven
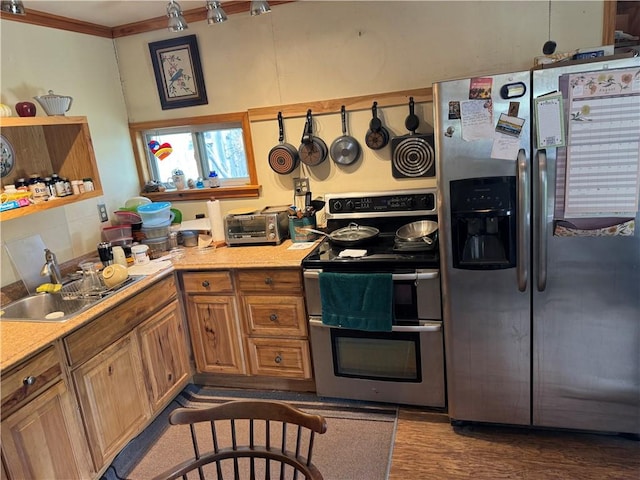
[266,227]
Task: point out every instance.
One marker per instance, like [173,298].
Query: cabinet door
[111,392]
[164,355]
[215,334]
[44,438]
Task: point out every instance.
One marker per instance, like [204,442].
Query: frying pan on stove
[412,155]
[283,158]
[349,236]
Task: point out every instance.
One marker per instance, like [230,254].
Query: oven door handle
[417,275]
[427,327]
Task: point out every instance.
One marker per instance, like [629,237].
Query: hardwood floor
[428,447]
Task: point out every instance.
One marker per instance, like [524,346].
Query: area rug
[357,445]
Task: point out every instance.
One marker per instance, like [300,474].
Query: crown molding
[35,17]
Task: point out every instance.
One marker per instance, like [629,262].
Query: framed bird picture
[176,65]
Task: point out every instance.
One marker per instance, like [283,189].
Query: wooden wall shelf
[44,145]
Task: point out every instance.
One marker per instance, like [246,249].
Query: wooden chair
[249,454]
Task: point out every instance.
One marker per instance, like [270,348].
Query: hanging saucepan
[349,236]
[377,136]
[412,155]
[345,149]
[313,150]
[421,231]
[283,158]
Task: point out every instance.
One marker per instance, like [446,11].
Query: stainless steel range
[404,365]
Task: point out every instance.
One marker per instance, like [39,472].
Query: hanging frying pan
[345,149]
[377,136]
[413,155]
[283,158]
[312,150]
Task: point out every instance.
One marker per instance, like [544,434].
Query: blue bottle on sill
[214,181]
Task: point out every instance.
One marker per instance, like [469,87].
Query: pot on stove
[421,231]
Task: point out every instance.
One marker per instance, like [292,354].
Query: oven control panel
[411,202]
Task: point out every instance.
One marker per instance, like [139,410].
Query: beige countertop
[287,254]
[20,340]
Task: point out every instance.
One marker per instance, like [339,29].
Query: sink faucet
[51,267]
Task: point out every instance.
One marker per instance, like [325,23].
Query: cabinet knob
[278,359]
[28,381]
[268,280]
[205,284]
[273,317]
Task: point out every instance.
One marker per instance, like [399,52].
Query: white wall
[35,60]
[317,50]
[304,51]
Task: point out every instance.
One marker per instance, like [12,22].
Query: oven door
[416,295]
[404,366]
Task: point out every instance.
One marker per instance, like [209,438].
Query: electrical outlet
[102,211]
[300,186]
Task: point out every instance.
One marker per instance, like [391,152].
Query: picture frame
[178,72]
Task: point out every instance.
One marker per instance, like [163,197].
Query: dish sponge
[49,288]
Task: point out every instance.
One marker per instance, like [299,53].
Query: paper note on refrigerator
[603,153]
[477,119]
[549,120]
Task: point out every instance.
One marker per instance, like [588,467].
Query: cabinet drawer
[207,282]
[279,357]
[30,378]
[109,327]
[271,280]
[275,315]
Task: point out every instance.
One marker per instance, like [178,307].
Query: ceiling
[109,13]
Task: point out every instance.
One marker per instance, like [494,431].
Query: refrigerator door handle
[523,221]
[541,227]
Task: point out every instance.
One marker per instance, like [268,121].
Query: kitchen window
[199,145]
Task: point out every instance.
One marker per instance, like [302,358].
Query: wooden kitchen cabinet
[275,323]
[126,364]
[212,314]
[112,396]
[251,326]
[164,355]
[45,145]
[42,434]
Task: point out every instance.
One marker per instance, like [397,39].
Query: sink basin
[56,307]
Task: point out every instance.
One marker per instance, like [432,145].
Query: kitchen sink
[58,307]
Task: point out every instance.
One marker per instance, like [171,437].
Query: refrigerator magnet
[509,125]
[480,88]
[454,110]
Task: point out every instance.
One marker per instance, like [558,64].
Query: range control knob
[337,206]
[350,206]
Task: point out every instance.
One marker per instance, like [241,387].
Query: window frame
[251,189]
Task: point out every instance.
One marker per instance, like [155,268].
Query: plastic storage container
[157,246]
[154,232]
[116,233]
[156,214]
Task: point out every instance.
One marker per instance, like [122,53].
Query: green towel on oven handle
[357,301]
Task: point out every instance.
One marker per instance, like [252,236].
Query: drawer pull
[205,284]
[28,381]
[268,280]
[273,317]
[278,359]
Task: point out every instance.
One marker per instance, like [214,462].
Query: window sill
[242,191]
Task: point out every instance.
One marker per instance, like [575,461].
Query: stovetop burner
[386,211]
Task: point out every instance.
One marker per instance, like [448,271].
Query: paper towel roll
[215,219]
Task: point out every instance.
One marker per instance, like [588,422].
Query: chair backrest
[247,439]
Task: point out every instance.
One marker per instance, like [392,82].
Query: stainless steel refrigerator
[540,259]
